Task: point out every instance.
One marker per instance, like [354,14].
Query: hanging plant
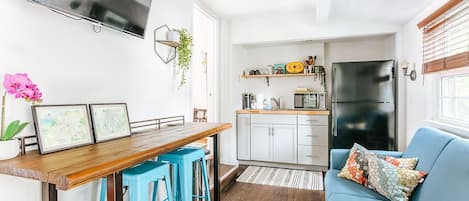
[184,53]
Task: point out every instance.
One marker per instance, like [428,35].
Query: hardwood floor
[254,192]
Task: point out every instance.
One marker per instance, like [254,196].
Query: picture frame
[62,127]
[110,121]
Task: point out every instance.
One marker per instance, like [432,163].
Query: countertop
[285,111]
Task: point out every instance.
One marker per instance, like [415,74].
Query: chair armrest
[339,156]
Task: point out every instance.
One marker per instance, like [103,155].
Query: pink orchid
[22,87]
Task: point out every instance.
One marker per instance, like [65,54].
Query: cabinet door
[260,142]
[284,141]
[243,129]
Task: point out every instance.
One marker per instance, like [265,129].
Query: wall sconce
[405,67]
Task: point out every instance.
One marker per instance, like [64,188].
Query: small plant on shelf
[184,51]
[21,87]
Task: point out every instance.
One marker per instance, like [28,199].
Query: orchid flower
[21,87]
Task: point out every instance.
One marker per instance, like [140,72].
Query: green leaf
[184,53]
[13,129]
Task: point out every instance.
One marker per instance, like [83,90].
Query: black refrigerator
[363,105]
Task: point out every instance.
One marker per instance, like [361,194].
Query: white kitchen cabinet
[313,155]
[243,126]
[284,147]
[313,135]
[283,139]
[261,142]
[318,120]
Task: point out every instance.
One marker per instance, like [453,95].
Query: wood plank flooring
[254,192]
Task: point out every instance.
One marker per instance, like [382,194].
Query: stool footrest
[199,197]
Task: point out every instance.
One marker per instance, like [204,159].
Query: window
[446,37]
[446,53]
[454,99]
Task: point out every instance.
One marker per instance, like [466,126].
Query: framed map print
[110,121]
[61,127]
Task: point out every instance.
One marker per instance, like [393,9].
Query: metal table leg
[216,162]
[52,192]
[114,187]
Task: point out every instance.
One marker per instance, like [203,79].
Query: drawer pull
[312,120]
[311,156]
[315,136]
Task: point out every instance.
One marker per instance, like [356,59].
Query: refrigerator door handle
[334,121]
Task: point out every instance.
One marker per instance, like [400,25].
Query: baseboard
[229,162]
[229,178]
[282,165]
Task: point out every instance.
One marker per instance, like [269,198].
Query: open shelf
[168,43]
[279,75]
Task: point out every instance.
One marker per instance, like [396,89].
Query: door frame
[213,74]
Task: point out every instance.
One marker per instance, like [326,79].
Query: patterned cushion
[406,163]
[392,182]
[356,167]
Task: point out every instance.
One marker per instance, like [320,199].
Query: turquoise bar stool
[183,165]
[137,179]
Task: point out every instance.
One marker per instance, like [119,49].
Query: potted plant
[21,87]
[184,53]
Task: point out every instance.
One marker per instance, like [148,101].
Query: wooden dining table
[71,168]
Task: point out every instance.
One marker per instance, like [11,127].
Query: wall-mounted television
[129,16]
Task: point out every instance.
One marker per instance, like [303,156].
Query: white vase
[173,36]
[9,149]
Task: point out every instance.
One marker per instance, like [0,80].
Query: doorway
[205,63]
[205,79]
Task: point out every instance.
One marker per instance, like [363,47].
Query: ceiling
[240,8]
[392,11]
[389,11]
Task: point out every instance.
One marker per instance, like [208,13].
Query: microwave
[310,100]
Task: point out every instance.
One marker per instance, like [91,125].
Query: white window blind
[446,37]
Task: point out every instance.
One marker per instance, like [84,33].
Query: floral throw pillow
[356,168]
[394,183]
[406,163]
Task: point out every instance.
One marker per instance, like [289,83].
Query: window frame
[437,113]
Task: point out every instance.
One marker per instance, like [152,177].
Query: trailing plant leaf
[13,129]
[184,53]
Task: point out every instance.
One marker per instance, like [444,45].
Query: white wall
[72,64]
[418,92]
[226,110]
[258,56]
[328,52]
[243,56]
[298,26]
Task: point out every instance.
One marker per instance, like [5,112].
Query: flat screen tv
[129,16]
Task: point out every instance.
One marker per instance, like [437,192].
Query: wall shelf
[267,77]
[172,43]
[279,75]
[168,43]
